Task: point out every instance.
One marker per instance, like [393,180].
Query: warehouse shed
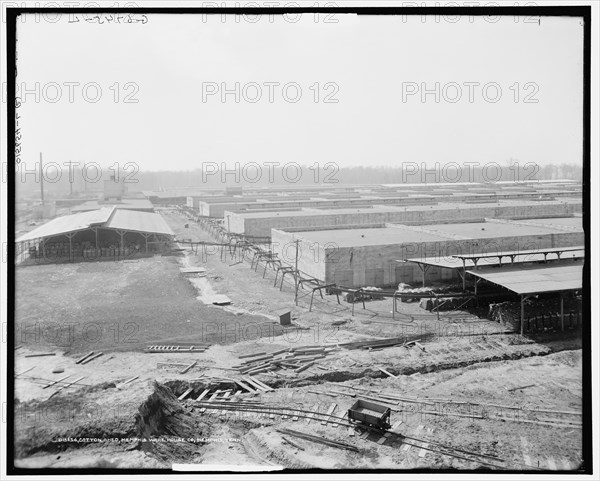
[359,257]
[95,235]
[259,224]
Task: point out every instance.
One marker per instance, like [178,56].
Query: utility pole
[70,179]
[296,273]
[41,179]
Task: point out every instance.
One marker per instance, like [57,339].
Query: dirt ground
[468,364]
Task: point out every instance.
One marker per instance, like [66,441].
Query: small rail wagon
[370,414]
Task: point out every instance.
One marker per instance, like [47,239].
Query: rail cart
[370,413]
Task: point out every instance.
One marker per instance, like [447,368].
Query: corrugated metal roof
[534,279]
[68,223]
[520,252]
[107,218]
[455,262]
[130,220]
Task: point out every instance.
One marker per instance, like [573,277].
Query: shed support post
[424,269]
[146,236]
[522,313]
[562,311]
[70,237]
[121,243]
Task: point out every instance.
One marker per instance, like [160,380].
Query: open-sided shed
[95,233]
[528,281]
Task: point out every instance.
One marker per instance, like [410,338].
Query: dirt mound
[569,358]
[166,428]
[70,422]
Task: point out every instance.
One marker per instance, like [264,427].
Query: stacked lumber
[296,359]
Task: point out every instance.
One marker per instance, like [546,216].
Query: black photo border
[584,12]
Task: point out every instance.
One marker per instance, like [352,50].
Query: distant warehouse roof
[129,204]
[106,218]
[138,222]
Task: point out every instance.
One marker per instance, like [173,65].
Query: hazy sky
[368,61]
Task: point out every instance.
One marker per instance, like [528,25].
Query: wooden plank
[252,355]
[311,415]
[329,413]
[187,368]
[386,372]
[26,370]
[66,385]
[84,357]
[192,270]
[185,394]
[323,393]
[520,387]
[292,444]
[203,395]
[257,384]
[251,382]
[219,395]
[245,386]
[70,383]
[55,382]
[304,367]
[91,358]
[252,361]
[260,383]
[396,426]
[212,398]
[169,364]
[258,371]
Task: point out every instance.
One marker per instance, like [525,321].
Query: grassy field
[119,306]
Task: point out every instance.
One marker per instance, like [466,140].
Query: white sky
[368,57]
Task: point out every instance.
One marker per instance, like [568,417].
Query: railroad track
[424,444]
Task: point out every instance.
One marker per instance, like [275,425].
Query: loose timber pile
[301,358]
[298,360]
